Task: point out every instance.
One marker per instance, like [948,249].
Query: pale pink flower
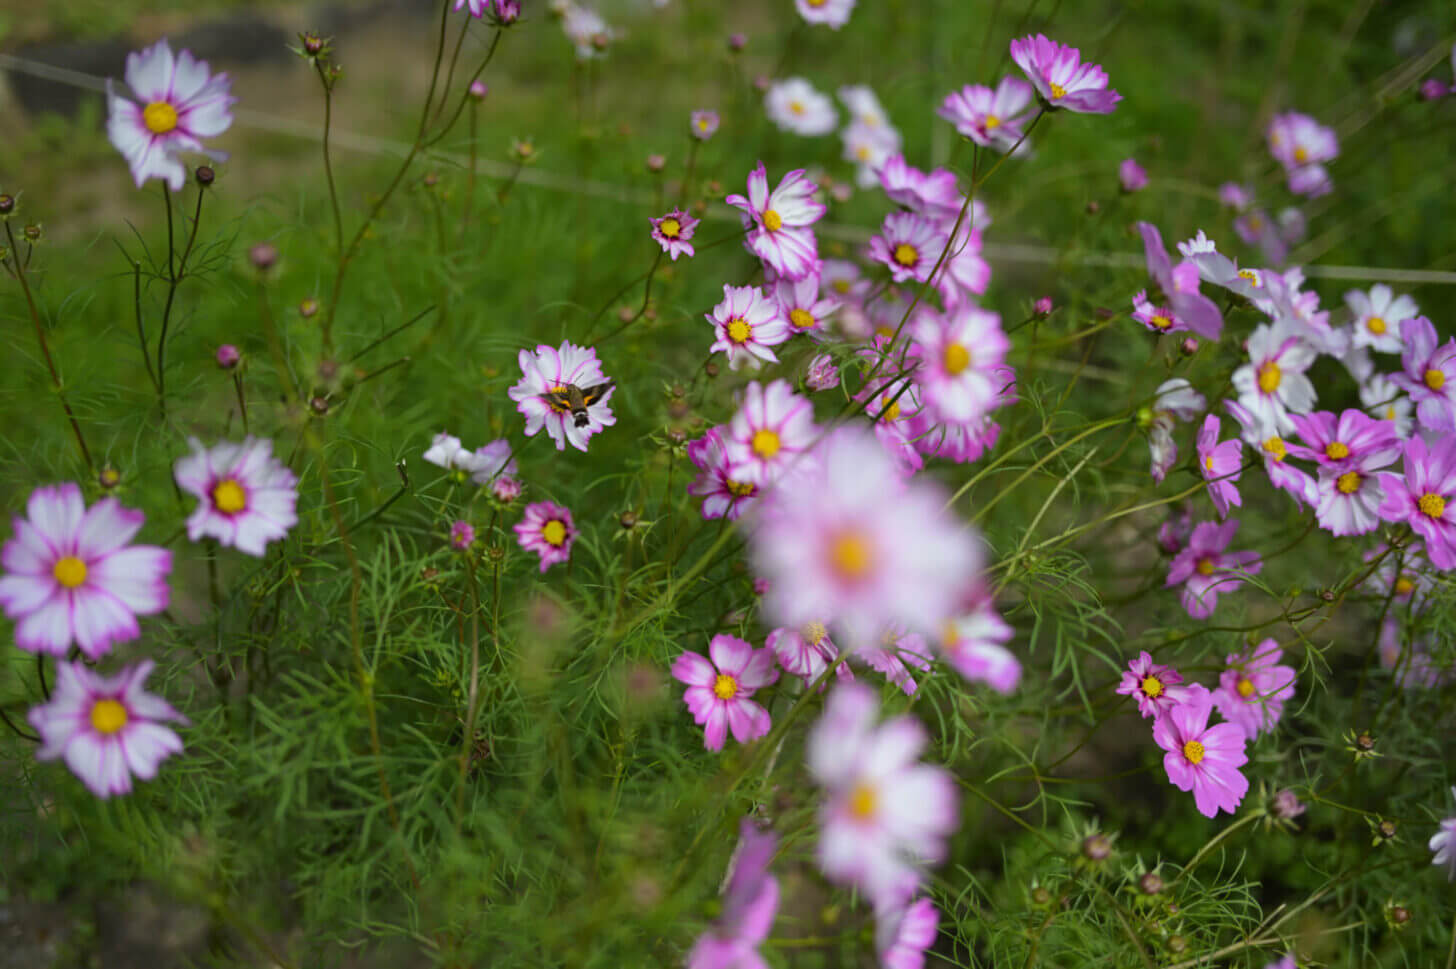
[992,119]
[541,395]
[800,303]
[1252,691]
[1301,144]
[806,651]
[547,529]
[1179,287]
[750,902]
[821,373]
[674,233]
[909,245]
[1061,78]
[974,643]
[777,223]
[1377,317]
[703,124]
[895,654]
[719,689]
[1131,176]
[1206,570]
[960,357]
[1273,385]
[772,428]
[830,13]
[247,497]
[1443,845]
[795,106]
[902,935]
[723,496]
[1220,463]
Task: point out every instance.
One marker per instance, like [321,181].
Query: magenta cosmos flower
[992,119]
[674,233]
[703,124]
[747,324]
[884,813]
[896,653]
[1425,497]
[903,935]
[847,537]
[1061,78]
[1131,176]
[1179,288]
[1220,465]
[1200,758]
[935,195]
[800,303]
[910,245]
[1301,144]
[1252,691]
[1206,570]
[1430,374]
[106,728]
[778,222]
[807,651]
[181,102]
[719,689]
[960,358]
[750,901]
[1443,845]
[1156,687]
[547,529]
[723,495]
[246,497]
[544,394]
[70,576]
[772,428]
[974,643]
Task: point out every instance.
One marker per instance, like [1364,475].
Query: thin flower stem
[328,160]
[682,195]
[646,297]
[467,743]
[1094,429]
[136,269]
[45,689]
[175,277]
[242,399]
[16,730]
[45,351]
[1212,843]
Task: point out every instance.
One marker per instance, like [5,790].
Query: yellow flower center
[108,716]
[1404,586]
[738,488]
[1348,483]
[1269,377]
[1337,450]
[1193,750]
[850,555]
[766,443]
[1208,462]
[229,497]
[554,532]
[862,802]
[671,228]
[702,124]
[956,358]
[1205,566]
[69,571]
[890,411]
[738,330]
[817,3]
[725,687]
[906,255]
[1152,687]
[159,117]
[862,153]
[797,107]
[1058,92]
[1250,275]
[772,221]
[992,122]
[1375,325]
[841,286]
[1301,154]
[801,318]
[1432,505]
[814,633]
[1275,446]
[1161,321]
[1245,687]
[1435,379]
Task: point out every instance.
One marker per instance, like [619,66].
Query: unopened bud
[1096,847]
[228,356]
[308,308]
[263,256]
[478,90]
[710,368]
[7,204]
[628,520]
[1093,207]
[32,233]
[108,478]
[736,42]
[205,175]
[1042,306]
[1151,883]
[656,163]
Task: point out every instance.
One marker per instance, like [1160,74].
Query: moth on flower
[564,391]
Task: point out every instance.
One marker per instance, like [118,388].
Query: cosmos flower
[974,643]
[1216,268]
[247,497]
[992,119]
[1174,400]
[1349,499]
[71,575]
[821,373]
[445,451]
[1377,317]
[747,323]
[1252,691]
[884,814]
[895,654]
[1060,77]
[1206,570]
[960,357]
[674,233]
[965,272]
[847,537]
[722,495]
[831,13]
[750,901]
[1429,374]
[1131,176]
[935,195]
[795,106]
[1301,144]
[1180,287]
[902,935]
[772,427]
[108,729]
[1443,845]
[1341,442]
[1220,464]
[800,303]
[777,223]
[892,404]
[909,245]
[181,103]
[703,124]
[589,34]
[546,375]
[719,689]
[1272,385]
[869,148]
[495,464]
[1383,401]
[806,651]
[547,529]
[462,535]
[1156,687]
[1200,758]
[1424,496]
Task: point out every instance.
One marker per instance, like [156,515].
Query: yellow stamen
[1161,321]
[738,488]
[1269,377]
[766,443]
[1404,586]
[738,330]
[1375,325]
[1432,505]
[797,107]
[1275,446]
[814,633]
[725,687]
[1058,92]
[159,117]
[1152,687]
[670,228]
[862,802]
[1245,687]
[992,122]
[229,497]
[1301,154]
[1193,750]
[850,555]
[108,716]
[801,318]
[1435,379]
[906,255]
[1337,450]
[1205,566]
[772,221]
[554,532]
[69,571]
[1348,483]
[956,359]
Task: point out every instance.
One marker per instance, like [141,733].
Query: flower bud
[1043,306]
[656,163]
[32,233]
[628,520]
[263,256]
[736,42]
[478,90]
[7,205]
[108,478]
[1151,883]
[505,489]
[1432,89]
[710,368]
[462,535]
[1096,847]
[205,175]
[319,405]
[228,356]
[308,308]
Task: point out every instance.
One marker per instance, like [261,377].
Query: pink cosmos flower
[960,356]
[722,495]
[747,323]
[1296,312]
[884,813]
[821,373]
[1131,176]
[445,451]
[974,641]
[909,245]
[106,728]
[541,394]
[1274,450]
[800,303]
[1343,442]
[1174,533]
[1301,144]
[869,148]
[1235,196]
[1443,845]
[547,529]
[958,443]
[892,405]
[247,497]
[718,690]
[778,222]
[1206,570]
[1252,691]
[494,463]
[1180,287]
[965,273]
[1157,688]
[1174,400]
[772,427]
[1220,465]
[1377,317]
[180,104]
[1216,268]
[674,233]
[1425,497]
[864,107]
[1349,500]
[1272,385]
[831,13]
[703,124]
[992,119]
[1060,77]
[795,106]
[903,935]
[1429,374]
[462,535]
[849,538]
[806,651]
[936,196]
[1200,758]
[71,576]
[896,653]
[750,902]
